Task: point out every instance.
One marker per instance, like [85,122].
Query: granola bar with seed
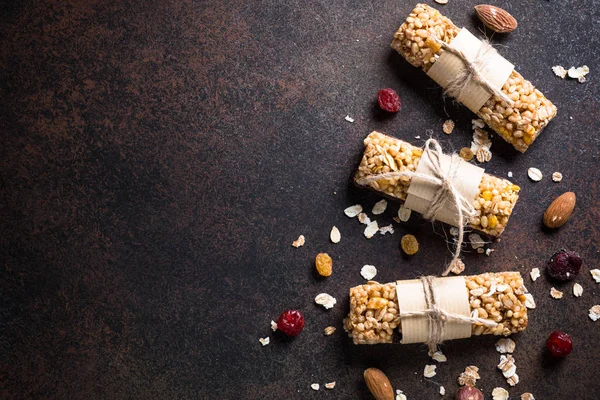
[519,124]
[374,310]
[493,204]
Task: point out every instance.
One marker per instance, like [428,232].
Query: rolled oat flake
[534,174]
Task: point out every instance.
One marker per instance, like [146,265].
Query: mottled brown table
[159,157]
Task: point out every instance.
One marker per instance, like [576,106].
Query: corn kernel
[487,195]
[492,221]
[529,130]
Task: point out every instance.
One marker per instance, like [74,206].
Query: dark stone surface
[159,157]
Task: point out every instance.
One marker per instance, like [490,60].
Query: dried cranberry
[389,100]
[564,265]
[290,322]
[559,344]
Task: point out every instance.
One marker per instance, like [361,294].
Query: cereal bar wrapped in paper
[492,198]
[508,103]
[431,310]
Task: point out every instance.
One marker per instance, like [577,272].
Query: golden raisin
[466,154]
[409,244]
[324,264]
[487,195]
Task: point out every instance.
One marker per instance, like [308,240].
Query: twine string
[472,72]
[446,192]
[437,317]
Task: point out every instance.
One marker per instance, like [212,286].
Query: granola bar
[494,202]
[520,124]
[500,297]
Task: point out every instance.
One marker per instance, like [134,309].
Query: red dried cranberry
[290,322]
[564,265]
[559,344]
[389,100]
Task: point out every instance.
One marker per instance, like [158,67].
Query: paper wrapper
[451,296]
[496,70]
[421,192]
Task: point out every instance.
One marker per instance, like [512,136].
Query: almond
[495,18]
[379,384]
[560,210]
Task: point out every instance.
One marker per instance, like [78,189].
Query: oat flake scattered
[489,252]
[557,177]
[535,273]
[457,267]
[505,345]
[429,371]
[386,229]
[299,242]
[534,174]
[325,300]
[330,330]
[442,391]
[265,341]
[477,123]
[448,126]
[527,396]
[368,272]
[577,290]
[578,73]
[335,235]
[510,174]
[379,207]
[559,71]
[595,274]
[330,385]
[404,213]
[314,386]
[594,312]
[469,376]
[349,118]
[556,294]
[353,211]
[499,394]
[364,219]
[513,380]
[476,240]
[529,301]
[273,325]
[400,395]
[439,356]
[481,144]
[371,229]
[441,2]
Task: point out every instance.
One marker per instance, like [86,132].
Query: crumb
[299,242]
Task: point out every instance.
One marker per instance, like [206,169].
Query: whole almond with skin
[379,384]
[495,18]
[559,211]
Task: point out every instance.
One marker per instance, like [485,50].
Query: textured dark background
[159,157]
